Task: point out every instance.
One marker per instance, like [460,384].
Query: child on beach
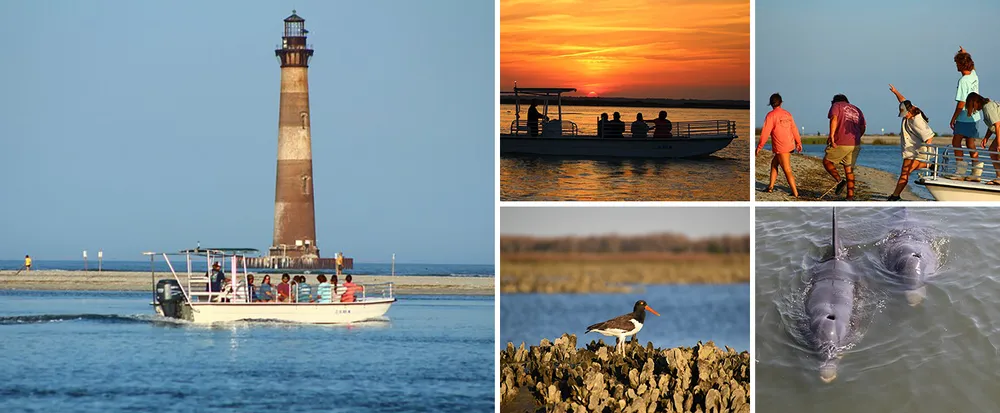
[914,133]
[780,127]
[962,123]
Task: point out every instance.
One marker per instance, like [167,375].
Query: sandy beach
[141,281]
[814,182]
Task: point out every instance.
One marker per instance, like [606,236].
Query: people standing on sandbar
[847,125]
[780,127]
[534,116]
[963,124]
[913,135]
[27,263]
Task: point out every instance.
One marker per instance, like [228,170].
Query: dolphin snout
[828,371]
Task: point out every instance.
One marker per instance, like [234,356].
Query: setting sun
[644,49]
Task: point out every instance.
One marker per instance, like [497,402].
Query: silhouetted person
[640,128]
[663,128]
[533,117]
[615,128]
[601,124]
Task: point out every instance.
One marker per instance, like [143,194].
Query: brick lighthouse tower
[294,211]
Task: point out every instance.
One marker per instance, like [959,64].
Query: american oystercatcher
[624,325]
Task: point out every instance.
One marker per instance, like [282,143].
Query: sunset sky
[697,49]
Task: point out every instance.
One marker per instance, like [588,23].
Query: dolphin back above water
[908,253]
[830,307]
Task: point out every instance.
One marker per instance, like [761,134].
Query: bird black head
[641,306]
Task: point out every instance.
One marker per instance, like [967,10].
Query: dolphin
[830,307]
[908,254]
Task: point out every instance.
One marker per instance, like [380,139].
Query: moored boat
[945,184]
[559,137]
[189,297]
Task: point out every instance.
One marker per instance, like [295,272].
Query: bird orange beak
[652,310]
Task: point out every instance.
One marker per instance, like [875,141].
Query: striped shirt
[323,293]
[304,292]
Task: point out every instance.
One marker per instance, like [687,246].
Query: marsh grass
[583,273]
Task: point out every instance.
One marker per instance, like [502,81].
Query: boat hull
[951,190]
[592,146]
[329,313]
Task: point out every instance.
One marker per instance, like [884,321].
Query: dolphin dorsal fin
[838,251]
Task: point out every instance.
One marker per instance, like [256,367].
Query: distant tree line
[614,244]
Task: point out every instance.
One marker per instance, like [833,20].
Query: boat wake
[97,318]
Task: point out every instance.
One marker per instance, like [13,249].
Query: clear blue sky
[134,126]
[809,51]
[582,221]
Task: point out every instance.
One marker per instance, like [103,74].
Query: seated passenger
[336,290]
[322,290]
[265,293]
[662,128]
[284,289]
[350,290]
[226,292]
[640,129]
[304,293]
[601,124]
[615,128]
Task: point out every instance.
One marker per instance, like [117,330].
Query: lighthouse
[294,210]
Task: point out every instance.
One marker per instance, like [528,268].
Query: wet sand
[813,182]
[141,281]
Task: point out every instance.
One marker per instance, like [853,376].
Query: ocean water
[723,176]
[106,352]
[882,157]
[464,270]
[939,356]
[688,314]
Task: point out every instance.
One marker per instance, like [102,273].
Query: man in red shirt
[352,289]
[847,125]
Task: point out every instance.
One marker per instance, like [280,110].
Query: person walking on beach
[640,129]
[913,135]
[534,116]
[780,127]
[847,125]
[27,263]
[340,262]
[991,117]
[963,124]
[662,127]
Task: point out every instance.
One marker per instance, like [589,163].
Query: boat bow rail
[942,180]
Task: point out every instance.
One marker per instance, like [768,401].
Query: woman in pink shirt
[780,127]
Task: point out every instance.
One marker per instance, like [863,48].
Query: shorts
[917,153]
[967,129]
[843,154]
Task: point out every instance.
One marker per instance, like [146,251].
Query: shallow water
[941,355]
[688,314]
[105,351]
[722,176]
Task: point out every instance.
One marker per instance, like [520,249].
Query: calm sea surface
[940,356]
[464,270]
[688,314]
[105,351]
[723,176]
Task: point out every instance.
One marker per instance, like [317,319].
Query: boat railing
[943,164]
[692,129]
[520,127]
[375,291]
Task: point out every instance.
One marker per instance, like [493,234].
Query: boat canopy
[542,90]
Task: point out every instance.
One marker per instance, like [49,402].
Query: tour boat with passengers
[189,297]
[978,183]
[559,137]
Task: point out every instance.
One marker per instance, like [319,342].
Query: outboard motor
[170,297]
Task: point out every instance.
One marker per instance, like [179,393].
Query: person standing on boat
[640,129]
[847,126]
[780,127]
[991,116]
[615,128]
[218,276]
[914,134]
[662,127]
[962,123]
[534,116]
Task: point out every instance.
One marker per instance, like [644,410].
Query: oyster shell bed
[558,377]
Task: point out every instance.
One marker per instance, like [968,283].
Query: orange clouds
[697,49]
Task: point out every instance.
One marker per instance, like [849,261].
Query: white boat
[944,185]
[189,297]
[559,137]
